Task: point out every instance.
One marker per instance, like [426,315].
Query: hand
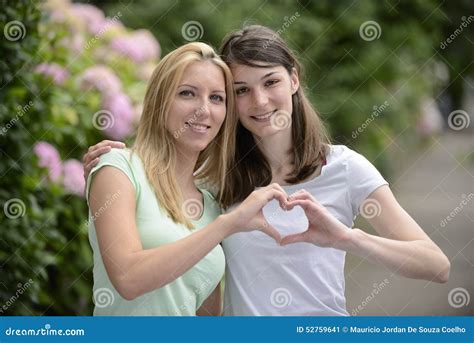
[91,158]
[249,216]
[324,229]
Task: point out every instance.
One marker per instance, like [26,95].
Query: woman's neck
[277,151]
[184,170]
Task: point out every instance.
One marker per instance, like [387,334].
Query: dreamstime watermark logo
[46,331]
[192,31]
[287,21]
[14,208]
[110,200]
[370,30]
[21,288]
[103,120]
[377,287]
[20,112]
[104,29]
[281,297]
[370,208]
[457,209]
[281,120]
[190,300]
[459,297]
[14,30]
[457,32]
[377,110]
[103,297]
[192,208]
[458,120]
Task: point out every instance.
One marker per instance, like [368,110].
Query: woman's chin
[264,132]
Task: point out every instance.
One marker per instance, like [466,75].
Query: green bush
[70,79]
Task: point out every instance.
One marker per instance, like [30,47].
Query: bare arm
[402,247]
[135,271]
[212,306]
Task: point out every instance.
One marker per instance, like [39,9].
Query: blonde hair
[154,144]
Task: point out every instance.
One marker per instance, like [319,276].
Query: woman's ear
[295,81]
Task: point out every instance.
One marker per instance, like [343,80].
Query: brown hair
[252,46]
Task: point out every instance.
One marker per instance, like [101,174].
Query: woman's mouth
[199,128]
[263,117]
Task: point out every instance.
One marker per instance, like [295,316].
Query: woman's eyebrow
[186,85]
[264,76]
[214,91]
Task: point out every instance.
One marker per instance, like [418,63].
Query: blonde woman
[155,235]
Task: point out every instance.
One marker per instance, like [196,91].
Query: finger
[96,153]
[277,194]
[271,231]
[294,238]
[303,203]
[277,186]
[88,167]
[302,194]
[112,144]
[283,203]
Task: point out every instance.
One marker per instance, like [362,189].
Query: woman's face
[263,98]
[199,106]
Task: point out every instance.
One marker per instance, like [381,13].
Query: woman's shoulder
[116,154]
[121,157]
[341,153]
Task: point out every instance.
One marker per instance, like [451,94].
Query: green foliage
[45,256]
[346,76]
[44,253]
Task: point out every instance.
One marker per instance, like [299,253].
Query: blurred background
[392,79]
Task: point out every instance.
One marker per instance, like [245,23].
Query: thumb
[271,231]
[294,238]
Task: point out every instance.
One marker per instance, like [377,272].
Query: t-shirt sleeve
[363,179]
[117,158]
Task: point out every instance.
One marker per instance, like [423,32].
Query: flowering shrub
[72,78]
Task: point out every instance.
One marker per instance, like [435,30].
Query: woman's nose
[260,99]
[203,111]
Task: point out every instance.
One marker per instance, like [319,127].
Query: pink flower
[140,46]
[102,78]
[48,158]
[53,70]
[73,180]
[120,106]
[110,24]
[92,16]
[75,42]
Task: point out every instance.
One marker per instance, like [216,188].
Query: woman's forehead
[241,71]
[203,72]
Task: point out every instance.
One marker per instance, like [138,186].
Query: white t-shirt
[300,279]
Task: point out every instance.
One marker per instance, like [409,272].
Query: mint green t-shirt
[183,296]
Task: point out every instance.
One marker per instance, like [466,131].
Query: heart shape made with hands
[285,222]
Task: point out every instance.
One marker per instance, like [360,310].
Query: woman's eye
[241,90]
[186,93]
[271,82]
[217,98]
